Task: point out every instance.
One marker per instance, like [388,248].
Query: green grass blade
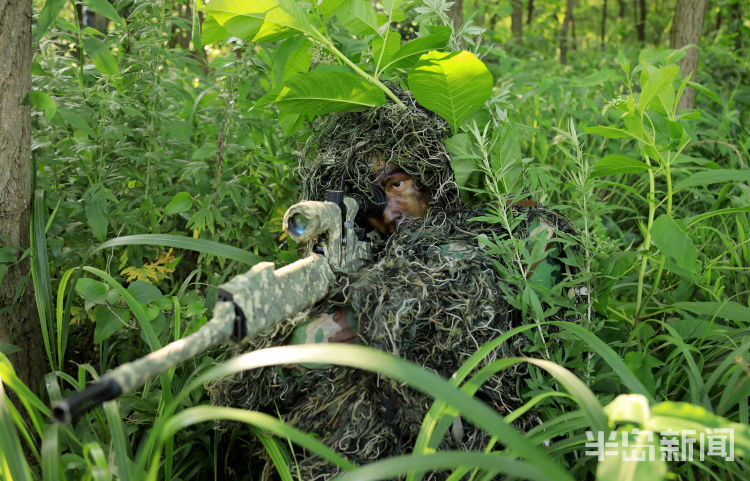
[276,454]
[40,274]
[182,242]
[119,440]
[393,467]
[51,466]
[590,405]
[609,356]
[10,446]
[266,422]
[63,322]
[372,360]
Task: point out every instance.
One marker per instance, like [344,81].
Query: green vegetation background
[139,133]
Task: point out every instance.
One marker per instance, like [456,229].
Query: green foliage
[159,176]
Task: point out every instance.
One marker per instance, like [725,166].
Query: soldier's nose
[391,216]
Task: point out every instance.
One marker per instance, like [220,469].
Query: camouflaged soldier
[431,295]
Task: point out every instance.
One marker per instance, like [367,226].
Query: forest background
[139,172]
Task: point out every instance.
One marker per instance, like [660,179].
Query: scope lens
[298,224]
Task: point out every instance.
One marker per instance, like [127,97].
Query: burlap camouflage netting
[338,154]
[431,296]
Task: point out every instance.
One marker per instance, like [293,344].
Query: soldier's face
[405,199]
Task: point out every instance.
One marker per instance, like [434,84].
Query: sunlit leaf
[261,20]
[358,16]
[100,55]
[453,85]
[383,48]
[290,58]
[658,80]
[212,32]
[409,53]
[318,93]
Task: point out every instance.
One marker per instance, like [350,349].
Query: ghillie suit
[431,296]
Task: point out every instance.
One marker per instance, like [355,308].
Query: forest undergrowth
[158,177]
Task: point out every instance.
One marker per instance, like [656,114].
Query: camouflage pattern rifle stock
[250,302]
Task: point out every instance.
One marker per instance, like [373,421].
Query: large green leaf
[318,93]
[97,210]
[713,177]
[105,8]
[730,310]
[618,164]
[409,54]
[103,59]
[670,236]
[260,20]
[290,58]
[47,16]
[654,82]
[453,85]
[358,16]
[383,48]
[212,32]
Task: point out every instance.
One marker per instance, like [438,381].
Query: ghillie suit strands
[338,154]
[431,296]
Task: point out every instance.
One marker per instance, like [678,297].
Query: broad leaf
[76,121]
[97,210]
[181,202]
[318,93]
[383,48]
[260,20]
[656,81]
[618,164]
[291,57]
[713,177]
[47,16]
[328,7]
[453,85]
[108,321]
[103,59]
[43,102]
[358,16]
[730,310]
[105,8]
[409,54]
[212,32]
[670,237]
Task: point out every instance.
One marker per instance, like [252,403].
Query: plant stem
[373,80]
[647,236]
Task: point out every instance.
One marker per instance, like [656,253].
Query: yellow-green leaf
[453,85]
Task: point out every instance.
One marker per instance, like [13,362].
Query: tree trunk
[687,26]
[604,23]
[564,32]
[529,12]
[640,20]
[19,323]
[621,11]
[516,21]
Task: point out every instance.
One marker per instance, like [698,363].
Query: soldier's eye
[397,184]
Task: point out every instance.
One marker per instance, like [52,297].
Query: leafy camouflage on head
[432,296]
[339,153]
